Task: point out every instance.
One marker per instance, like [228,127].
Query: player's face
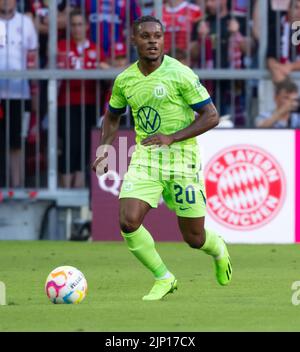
[149,40]
[7,6]
[78,28]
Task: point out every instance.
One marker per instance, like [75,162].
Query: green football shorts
[185,196]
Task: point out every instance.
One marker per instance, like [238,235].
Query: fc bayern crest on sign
[245,187]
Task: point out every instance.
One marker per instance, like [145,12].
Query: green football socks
[215,246]
[141,244]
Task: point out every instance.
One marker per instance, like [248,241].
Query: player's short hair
[144,19]
[287,84]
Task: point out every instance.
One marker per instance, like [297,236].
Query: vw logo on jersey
[148,119]
[160,91]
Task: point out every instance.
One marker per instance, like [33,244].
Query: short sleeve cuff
[199,105]
[117,111]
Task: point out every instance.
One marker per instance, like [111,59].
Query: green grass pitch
[258,299]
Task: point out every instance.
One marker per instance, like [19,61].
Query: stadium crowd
[95,34]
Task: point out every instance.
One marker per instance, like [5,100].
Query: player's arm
[207,119]
[111,123]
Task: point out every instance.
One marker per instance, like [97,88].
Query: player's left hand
[158,139]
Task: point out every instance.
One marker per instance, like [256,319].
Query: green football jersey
[162,102]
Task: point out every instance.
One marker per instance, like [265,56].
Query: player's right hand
[100,165]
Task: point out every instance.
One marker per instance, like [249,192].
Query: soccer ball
[66,284]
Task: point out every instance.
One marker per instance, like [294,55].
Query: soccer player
[163,95]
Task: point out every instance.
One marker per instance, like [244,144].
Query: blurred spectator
[18,51]
[179,55]
[120,61]
[282,56]
[202,47]
[76,103]
[276,8]
[178,17]
[239,8]
[202,51]
[38,10]
[226,44]
[109,23]
[287,110]
[227,32]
